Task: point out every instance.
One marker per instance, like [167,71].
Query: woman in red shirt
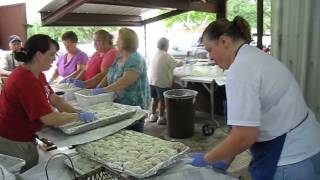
[99,63]
[26,101]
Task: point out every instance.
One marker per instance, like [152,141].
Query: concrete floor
[201,143]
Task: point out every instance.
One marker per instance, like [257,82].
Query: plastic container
[12,164]
[180,105]
[68,94]
[84,98]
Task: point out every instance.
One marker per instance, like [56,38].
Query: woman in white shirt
[266,109]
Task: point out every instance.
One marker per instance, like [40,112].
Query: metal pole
[259,23]
[145,40]
[221,9]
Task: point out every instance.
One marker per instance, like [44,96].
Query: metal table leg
[211,92]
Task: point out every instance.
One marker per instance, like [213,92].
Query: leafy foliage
[198,20]
[248,10]
[191,20]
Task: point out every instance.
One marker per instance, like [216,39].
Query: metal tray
[121,169]
[12,164]
[79,127]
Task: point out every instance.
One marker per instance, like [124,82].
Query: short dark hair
[163,43]
[236,29]
[35,43]
[70,35]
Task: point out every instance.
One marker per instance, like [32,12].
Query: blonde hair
[129,39]
[105,35]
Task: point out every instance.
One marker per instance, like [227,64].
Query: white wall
[296,42]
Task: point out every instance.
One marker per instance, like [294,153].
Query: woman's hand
[86,116]
[78,83]
[67,80]
[97,91]
[199,161]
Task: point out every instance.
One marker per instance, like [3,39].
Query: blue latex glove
[63,81]
[221,165]
[79,83]
[97,91]
[86,116]
[51,81]
[198,160]
[68,80]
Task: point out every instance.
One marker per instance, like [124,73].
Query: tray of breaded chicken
[105,114]
[132,153]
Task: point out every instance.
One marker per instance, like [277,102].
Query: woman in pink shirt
[100,61]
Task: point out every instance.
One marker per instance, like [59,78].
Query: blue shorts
[157,92]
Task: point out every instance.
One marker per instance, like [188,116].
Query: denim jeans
[308,169]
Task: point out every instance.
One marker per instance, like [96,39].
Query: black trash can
[180,105]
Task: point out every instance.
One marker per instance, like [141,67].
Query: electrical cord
[54,156]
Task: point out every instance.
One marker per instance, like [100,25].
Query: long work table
[56,168]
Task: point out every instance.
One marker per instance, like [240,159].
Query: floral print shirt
[137,94]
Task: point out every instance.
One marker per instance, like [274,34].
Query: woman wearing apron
[266,109]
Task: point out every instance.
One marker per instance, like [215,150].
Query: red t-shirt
[99,61]
[23,100]
[109,58]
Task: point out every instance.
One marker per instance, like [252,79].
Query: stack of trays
[105,114]
[12,164]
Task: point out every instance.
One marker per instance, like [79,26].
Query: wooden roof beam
[208,6]
[163,16]
[84,19]
[71,5]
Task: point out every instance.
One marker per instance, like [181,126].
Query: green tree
[246,8]
[191,20]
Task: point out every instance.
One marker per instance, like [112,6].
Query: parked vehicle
[193,48]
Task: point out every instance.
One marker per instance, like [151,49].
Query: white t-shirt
[8,62]
[262,92]
[161,69]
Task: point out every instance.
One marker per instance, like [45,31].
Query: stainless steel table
[179,171]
